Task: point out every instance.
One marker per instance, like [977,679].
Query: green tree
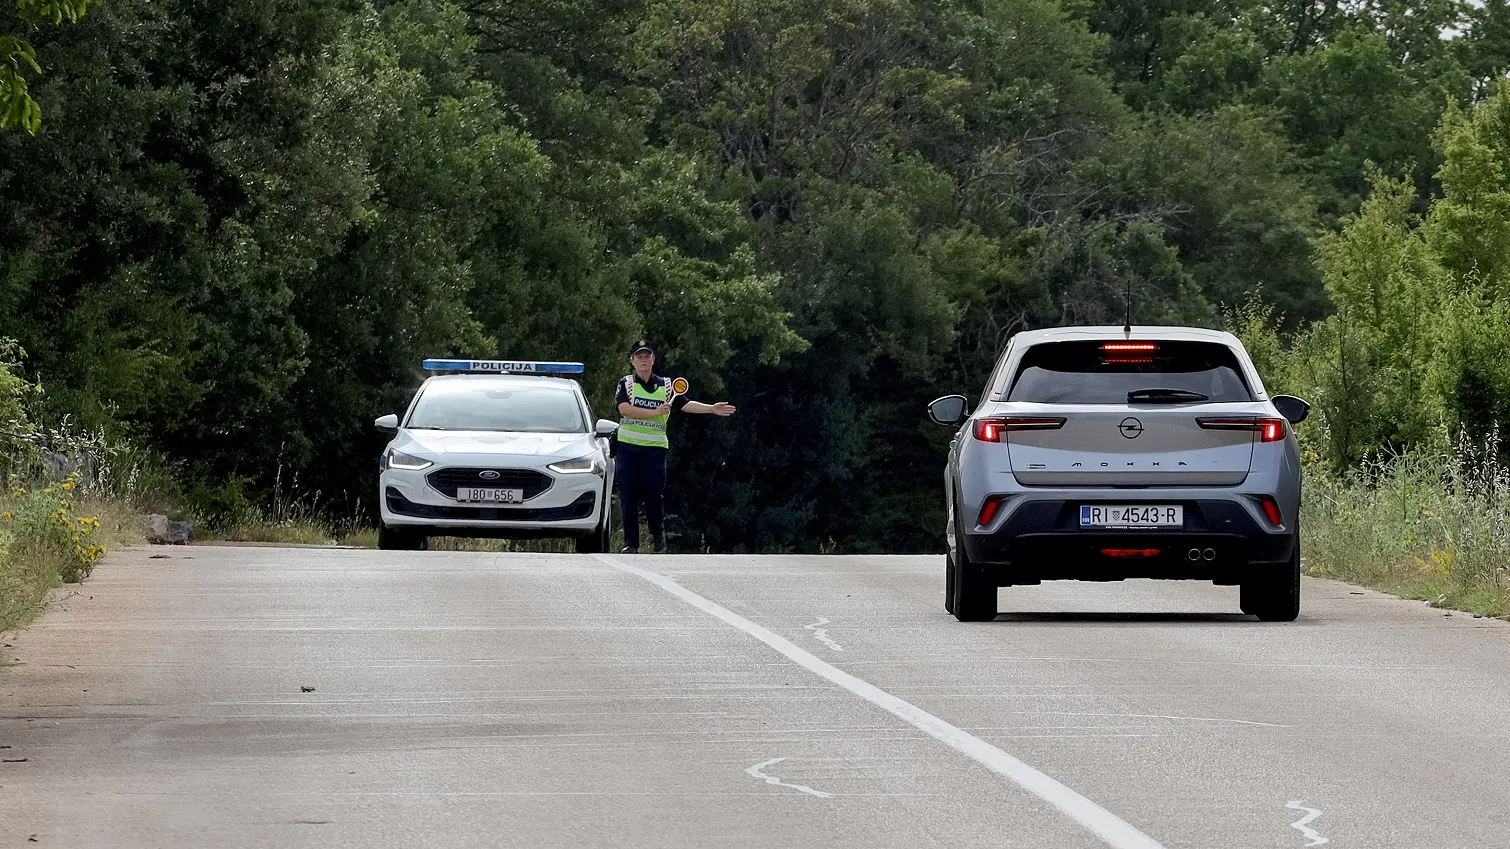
[1387,285]
[17,56]
[1469,227]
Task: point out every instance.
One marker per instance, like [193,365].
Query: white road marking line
[1156,716]
[755,771]
[1111,829]
[821,634]
[1303,825]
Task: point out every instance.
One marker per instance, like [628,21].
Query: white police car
[497,449]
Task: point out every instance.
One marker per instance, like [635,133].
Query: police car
[498,449]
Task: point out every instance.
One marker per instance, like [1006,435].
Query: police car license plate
[1131,516]
[490,496]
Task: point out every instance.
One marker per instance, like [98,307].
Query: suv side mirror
[606,428]
[948,410]
[387,424]
[1293,409]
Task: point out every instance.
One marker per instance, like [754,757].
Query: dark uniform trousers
[641,475]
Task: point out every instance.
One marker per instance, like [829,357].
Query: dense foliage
[240,226]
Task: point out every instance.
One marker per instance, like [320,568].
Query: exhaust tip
[1195,554]
[1209,554]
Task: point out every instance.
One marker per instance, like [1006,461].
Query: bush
[44,541]
[1431,525]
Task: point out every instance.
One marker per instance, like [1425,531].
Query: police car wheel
[398,539]
[601,537]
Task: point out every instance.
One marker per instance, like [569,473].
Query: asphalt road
[474,700]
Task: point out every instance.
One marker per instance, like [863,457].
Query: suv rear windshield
[1094,372]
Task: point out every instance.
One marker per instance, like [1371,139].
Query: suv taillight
[1269,430]
[996,429]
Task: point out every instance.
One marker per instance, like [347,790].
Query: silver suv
[1106,453]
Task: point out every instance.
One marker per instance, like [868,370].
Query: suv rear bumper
[1042,540]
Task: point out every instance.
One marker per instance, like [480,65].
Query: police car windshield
[471,404]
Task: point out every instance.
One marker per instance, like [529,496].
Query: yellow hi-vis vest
[647,432]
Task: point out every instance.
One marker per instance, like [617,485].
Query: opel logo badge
[1131,428]
[489,475]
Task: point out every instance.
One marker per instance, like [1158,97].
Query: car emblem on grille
[489,475]
[1131,428]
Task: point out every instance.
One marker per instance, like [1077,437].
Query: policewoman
[645,404]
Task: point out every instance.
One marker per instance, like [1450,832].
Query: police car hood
[440,442]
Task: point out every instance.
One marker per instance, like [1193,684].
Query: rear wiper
[1170,396]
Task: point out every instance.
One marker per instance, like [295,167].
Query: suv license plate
[490,496]
[1131,516]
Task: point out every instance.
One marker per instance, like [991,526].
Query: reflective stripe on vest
[648,432]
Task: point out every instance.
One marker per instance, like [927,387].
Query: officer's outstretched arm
[722,408]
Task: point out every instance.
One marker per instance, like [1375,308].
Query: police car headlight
[585,463]
[408,462]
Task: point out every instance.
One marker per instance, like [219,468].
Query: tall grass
[1430,525]
[51,535]
[70,495]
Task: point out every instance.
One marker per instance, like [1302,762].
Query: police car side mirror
[387,424]
[1293,409]
[948,410]
[607,428]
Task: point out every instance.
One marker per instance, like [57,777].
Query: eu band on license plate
[489,495]
[1131,516]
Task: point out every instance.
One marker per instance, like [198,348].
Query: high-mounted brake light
[503,367]
[995,429]
[1128,353]
[1269,430]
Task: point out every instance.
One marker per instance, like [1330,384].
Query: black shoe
[630,549]
[660,545]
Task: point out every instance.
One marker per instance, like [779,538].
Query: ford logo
[489,475]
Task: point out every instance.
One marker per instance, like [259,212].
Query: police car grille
[445,481]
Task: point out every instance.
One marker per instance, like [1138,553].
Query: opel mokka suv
[1105,453]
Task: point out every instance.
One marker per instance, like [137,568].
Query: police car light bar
[503,367]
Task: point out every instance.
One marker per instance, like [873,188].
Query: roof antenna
[1127,328]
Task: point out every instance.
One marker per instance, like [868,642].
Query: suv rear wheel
[1272,592]
[968,585]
